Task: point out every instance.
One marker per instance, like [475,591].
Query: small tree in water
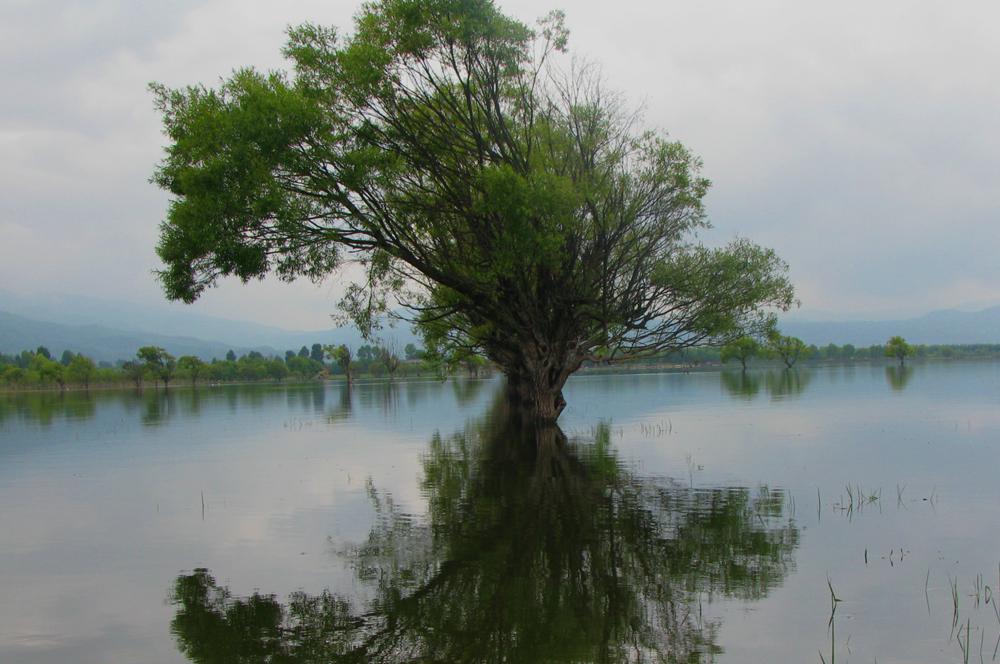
[741,349]
[341,356]
[788,349]
[898,348]
[512,209]
[158,362]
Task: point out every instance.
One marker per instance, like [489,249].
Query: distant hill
[104,343]
[175,321]
[937,327]
[111,330]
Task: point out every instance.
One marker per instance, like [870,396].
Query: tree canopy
[741,349]
[898,348]
[158,362]
[787,349]
[501,199]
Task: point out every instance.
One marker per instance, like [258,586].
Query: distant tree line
[152,365]
[788,351]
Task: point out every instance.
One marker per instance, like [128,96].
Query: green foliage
[30,370]
[388,358]
[741,349]
[277,369]
[135,372]
[788,349]
[191,367]
[304,367]
[80,370]
[316,353]
[158,363]
[48,370]
[341,357]
[515,212]
[898,348]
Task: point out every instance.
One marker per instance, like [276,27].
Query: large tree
[503,198]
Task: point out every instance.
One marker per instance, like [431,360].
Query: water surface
[673,517]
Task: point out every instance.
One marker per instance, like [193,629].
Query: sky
[858,139]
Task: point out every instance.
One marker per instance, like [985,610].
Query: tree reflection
[787,382]
[898,377]
[159,407]
[467,389]
[43,408]
[383,396]
[345,404]
[777,384]
[535,549]
[741,384]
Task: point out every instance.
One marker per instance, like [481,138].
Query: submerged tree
[550,551]
[389,359]
[341,356]
[787,349]
[158,362]
[81,369]
[512,208]
[134,371]
[192,367]
[741,349]
[898,348]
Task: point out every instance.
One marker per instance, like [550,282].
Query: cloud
[858,139]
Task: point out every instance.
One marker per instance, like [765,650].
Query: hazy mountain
[100,342]
[174,320]
[109,329]
[937,327]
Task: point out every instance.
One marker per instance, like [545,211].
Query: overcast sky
[859,139]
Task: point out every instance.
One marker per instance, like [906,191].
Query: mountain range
[937,327]
[111,330]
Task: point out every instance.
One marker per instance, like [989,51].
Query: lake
[844,513]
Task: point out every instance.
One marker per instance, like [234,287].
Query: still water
[848,513]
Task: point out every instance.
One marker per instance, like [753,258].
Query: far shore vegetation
[153,367]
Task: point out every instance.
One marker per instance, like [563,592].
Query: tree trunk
[535,384]
[535,401]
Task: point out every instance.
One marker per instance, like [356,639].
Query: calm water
[674,517]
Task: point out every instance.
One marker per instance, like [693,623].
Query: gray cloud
[858,139]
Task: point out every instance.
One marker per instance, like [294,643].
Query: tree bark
[535,383]
[535,400]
